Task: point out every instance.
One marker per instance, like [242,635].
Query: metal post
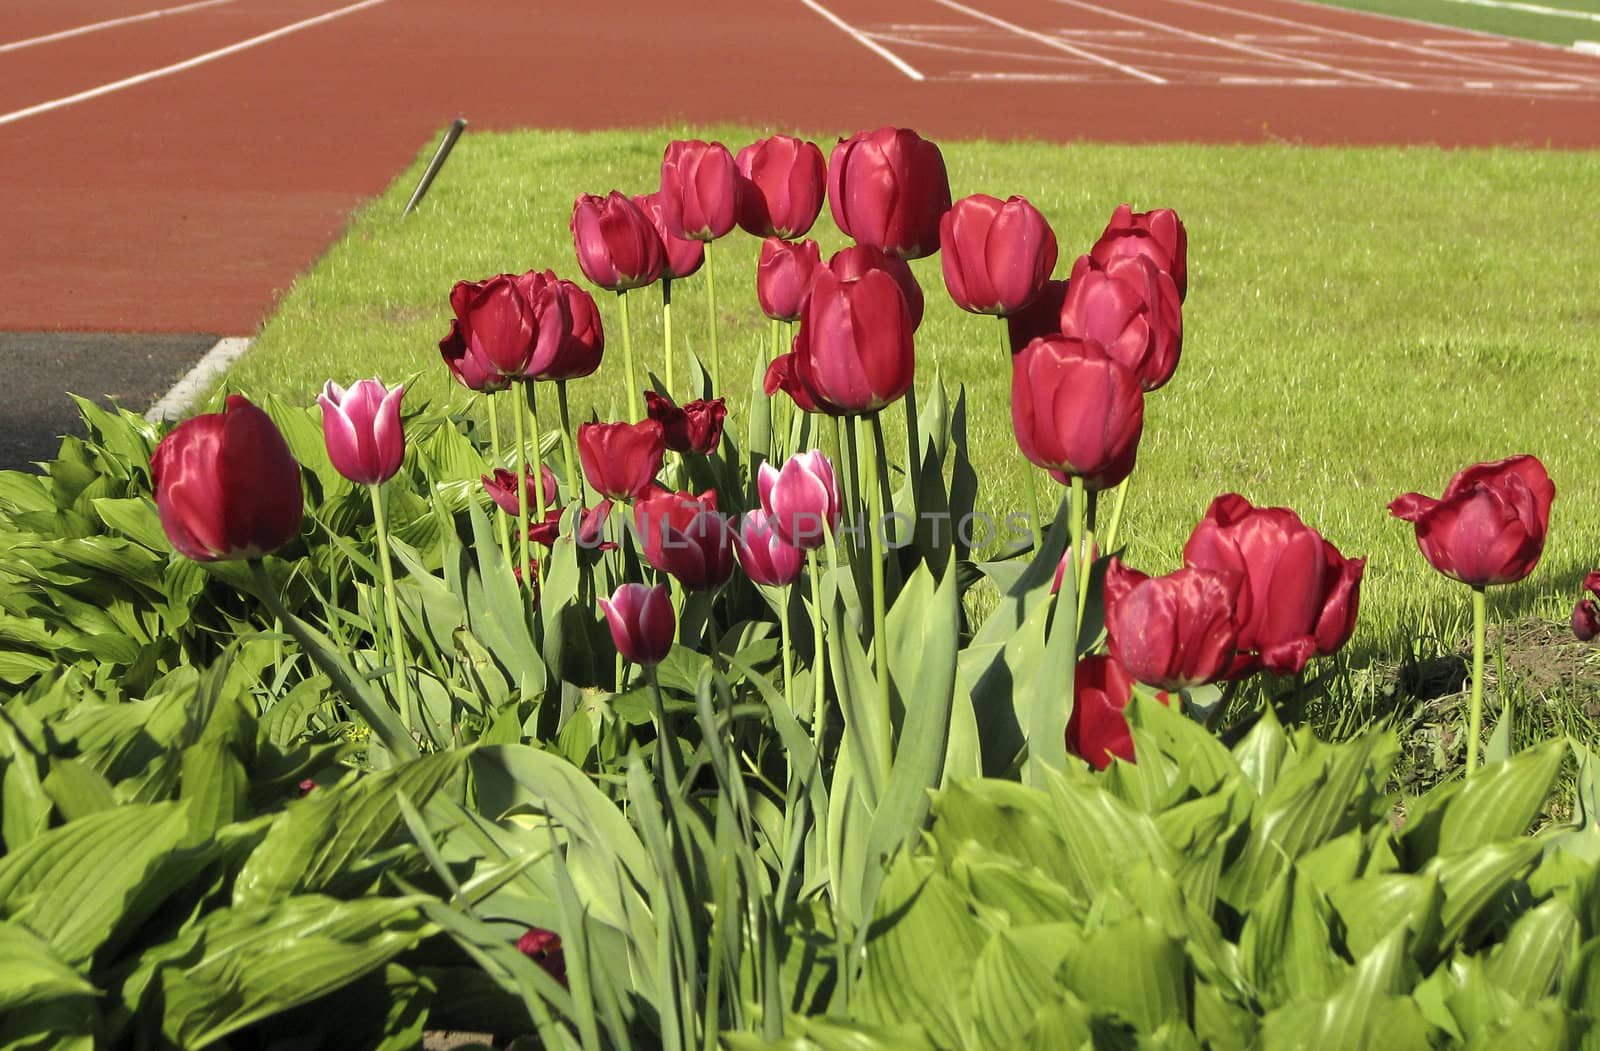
[439,157]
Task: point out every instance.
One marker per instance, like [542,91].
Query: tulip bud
[1076,410]
[848,264]
[1489,526]
[1300,595]
[801,499]
[686,536]
[782,181]
[783,276]
[617,246]
[1175,631]
[226,485]
[1158,235]
[361,428]
[683,256]
[996,255]
[694,428]
[502,488]
[1097,729]
[642,622]
[699,190]
[854,352]
[1585,620]
[888,188]
[621,460]
[764,555]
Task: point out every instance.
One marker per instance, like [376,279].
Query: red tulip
[226,485]
[699,190]
[1586,620]
[1097,729]
[765,556]
[1159,235]
[781,375]
[694,428]
[1175,631]
[1042,317]
[502,488]
[1132,309]
[547,532]
[853,353]
[687,536]
[361,427]
[683,256]
[801,499]
[848,264]
[617,246]
[1076,410]
[621,460]
[642,622]
[1489,526]
[469,370]
[498,321]
[592,527]
[544,948]
[888,188]
[996,255]
[1301,594]
[572,341]
[781,183]
[783,276]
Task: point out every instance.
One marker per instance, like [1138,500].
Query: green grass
[1359,323]
[1549,28]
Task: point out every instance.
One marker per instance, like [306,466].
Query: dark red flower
[853,353]
[699,189]
[499,324]
[469,370]
[1175,631]
[1076,410]
[685,535]
[618,247]
[1097,729]
[621,460]
[782,180]
[888,188]
[1042,317]
[848,264]
[694,428]
[1132,309]
[783,276]
[996,254]
[572,341]
[544,948]
[1586,620]
[502,488]
[1489,526]
[1158,235]
[683,256]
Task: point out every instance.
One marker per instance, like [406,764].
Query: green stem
[666,330]
[522,492]
[913,448]
[874,469]
[1075,532]
[1480,631]
[788,647]
[635,406]
[538,461]
[786,412]
[500,531]
[397,654]
[574,490]
[1116,515]
[819,659]
[711,316]
[1085,551]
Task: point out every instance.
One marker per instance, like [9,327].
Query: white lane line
[178,67]
[1236,45]
[180,399]
[1049,41]
[1395,45]
[1536,9]
[110,23]
[866,41]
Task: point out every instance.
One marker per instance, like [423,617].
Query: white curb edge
[181,398]
[1587,47]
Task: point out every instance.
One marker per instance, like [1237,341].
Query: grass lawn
[1359,323]
[1562,29]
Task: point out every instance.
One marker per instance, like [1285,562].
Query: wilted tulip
[683,256]
[782,180]
[618,247]
[1076,410]
[1132,309]
[801,499]
[642,622]
[571,339]
[888,188]
[1489,526]
[1097,729]
[848,264]
[226,485]
[1175,631]
[1158,235]
[544,948]
[361,427]
[1301,594]
[699,190]
[685,535]
[502,488]
[1042,317]
[621,460]
[694,428]
[1586,620]
[783,276]
[854,352]
[471,371]
[996,254]
[764,555]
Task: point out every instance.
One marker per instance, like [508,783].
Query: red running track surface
[188,203]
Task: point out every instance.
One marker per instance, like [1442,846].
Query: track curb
[181,398]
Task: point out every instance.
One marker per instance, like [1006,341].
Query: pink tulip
[642,622]
[1132,309]
[361,427]
[764,555]
[617,245]
[1158,235]
[848,264]
[801,499]
[888,188]
[1076,410]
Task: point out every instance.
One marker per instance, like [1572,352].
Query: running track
[187,202]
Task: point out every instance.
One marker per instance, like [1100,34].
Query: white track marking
[188,63]
[1536,9]
[1235,45]
[1396,45]
[180,399]
[110,23]
[1049,41]
[866,41]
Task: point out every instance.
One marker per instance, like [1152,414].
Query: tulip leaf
[1049,703]
[496,611]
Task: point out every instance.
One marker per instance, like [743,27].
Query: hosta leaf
[1532,957]
[1134,969]
[1500,801]
[1103,836]
[1369,1011]
[1375,907]
[1014,977]
[1474,881]
[135,518]
[77,789]
[1008,821]
[33,974]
